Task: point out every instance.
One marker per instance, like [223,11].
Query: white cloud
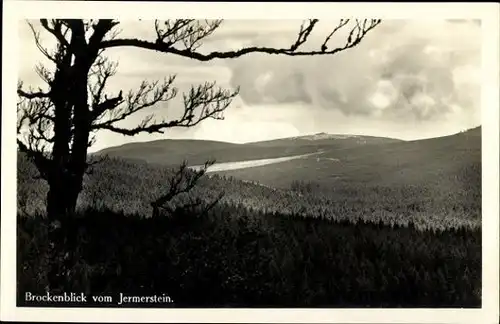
[403,73]
[417,59]
[380,100]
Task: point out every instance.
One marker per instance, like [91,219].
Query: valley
[384,223]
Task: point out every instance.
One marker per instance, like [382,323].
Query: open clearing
[226,166]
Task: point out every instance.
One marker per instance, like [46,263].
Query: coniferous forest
[258,247]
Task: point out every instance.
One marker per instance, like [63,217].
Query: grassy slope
[440,176]
[379,160]
[172,152]
[392,163]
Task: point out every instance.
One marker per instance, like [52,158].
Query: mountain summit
[323,136]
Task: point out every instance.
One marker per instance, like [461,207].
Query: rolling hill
[325,139]
[434,182]
[173,152]
[455,158]
[351,159]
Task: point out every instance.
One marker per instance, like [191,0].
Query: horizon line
[284,138]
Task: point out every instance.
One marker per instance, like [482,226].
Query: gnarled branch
[63,46]
[200,103]
[39,157]
[31,94]
[341,24]
[101,28]
[101,71]
[117,108]
[304,32]
[182,182]
[44,73]
[35,121]
[34,111]
[167,43]
[43,50]
[188,32]
[56,30]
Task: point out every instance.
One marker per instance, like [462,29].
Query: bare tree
[56,127]
[182,182]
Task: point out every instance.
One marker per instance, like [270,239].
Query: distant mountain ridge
[322,135]
[174,151]
[452,163]
[326,136]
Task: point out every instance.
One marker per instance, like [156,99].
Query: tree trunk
[61,205]
[71,128]
[59,202]
[61,198]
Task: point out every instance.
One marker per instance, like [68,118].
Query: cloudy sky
[406,79]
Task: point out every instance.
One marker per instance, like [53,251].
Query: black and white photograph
[260,163]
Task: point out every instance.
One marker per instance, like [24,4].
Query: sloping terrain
[455,158]
[325,139]
[173,152]
[434,182]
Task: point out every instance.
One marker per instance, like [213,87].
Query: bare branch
[44,73]
[93,161]
[56,30]
[213,203]
[198,206]
[200,103]
[170,34]
[166,44]
[341,24]
[37,154]
[102,70]
[31,94]
[35,121]
[304,33]
[183,181]
[34,110]
[101,28]
[43,50]
[41,131]
[188,32]
[21,116]
[148,94]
